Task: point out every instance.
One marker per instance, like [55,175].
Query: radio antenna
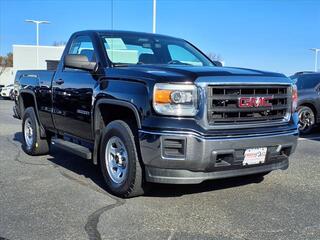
[111,14]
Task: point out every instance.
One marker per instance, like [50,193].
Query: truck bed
[32,78]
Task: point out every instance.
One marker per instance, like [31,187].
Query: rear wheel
[12,95]
[32,144]
[306,119]
[119,161]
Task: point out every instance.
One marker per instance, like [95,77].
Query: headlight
[175,99]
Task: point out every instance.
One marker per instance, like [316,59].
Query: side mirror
[79,61]
[218,63]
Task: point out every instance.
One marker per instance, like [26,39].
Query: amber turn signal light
[162,96]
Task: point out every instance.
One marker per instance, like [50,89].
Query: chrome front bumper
[198,158]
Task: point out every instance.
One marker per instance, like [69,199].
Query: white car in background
[7,92]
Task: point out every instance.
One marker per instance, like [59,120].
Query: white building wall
[25,56]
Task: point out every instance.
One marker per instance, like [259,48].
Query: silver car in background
[7,92]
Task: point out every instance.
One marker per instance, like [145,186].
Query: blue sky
[267,35]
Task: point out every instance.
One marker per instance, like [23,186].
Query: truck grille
[223,104]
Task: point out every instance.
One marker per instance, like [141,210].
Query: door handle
[59,81]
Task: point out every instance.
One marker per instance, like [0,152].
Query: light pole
[154,15]
[37,22]
[316,50]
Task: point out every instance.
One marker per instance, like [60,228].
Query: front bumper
[184,157]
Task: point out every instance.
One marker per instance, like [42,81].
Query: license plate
[254,156]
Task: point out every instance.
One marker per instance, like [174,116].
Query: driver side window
[83,45]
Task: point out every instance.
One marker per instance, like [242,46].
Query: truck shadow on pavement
[86,173]
[313,135]
[173,190]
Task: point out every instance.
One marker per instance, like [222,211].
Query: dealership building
[28,57]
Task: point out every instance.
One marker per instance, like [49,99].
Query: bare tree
[214,56]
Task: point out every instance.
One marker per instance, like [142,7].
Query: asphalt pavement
[61,196]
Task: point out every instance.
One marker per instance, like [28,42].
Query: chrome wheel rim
[28,132]
[306,119]
[116,157]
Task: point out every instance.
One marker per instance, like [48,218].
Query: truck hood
[186,73]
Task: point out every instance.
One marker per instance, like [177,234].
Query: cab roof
[127,33]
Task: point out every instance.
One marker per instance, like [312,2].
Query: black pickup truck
[153,108]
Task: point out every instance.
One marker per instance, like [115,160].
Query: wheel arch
[27,98]
[98,115]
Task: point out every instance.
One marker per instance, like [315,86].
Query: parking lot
[61,196]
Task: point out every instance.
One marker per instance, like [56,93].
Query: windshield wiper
[121,64]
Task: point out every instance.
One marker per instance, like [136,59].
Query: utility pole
[154,16]
[37,22]
[316,50]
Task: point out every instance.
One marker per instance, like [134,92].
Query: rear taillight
[294,98]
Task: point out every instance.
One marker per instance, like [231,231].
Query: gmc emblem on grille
[249,102]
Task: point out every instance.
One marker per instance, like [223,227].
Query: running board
[77,149]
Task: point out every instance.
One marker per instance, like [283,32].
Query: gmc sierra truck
[153,108]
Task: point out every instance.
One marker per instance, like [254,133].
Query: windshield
[124,50]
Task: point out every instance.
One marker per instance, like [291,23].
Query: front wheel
[306,119]
[119,161]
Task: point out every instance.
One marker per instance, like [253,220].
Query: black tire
[133,181]
[12,95]
[307,120]
[35,145]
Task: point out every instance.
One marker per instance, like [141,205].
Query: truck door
[72,91]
